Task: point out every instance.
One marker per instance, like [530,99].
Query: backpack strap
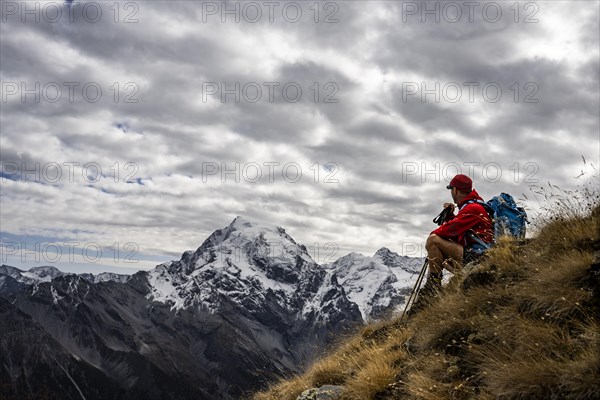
[487,208]
[473,236]
[470,202]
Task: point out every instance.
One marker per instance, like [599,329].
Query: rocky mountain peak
[46,272]
[242,222]
[384,251]
[392,259]
[245,242]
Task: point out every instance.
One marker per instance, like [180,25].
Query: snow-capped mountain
[42,274]
[249,303]
[33,275]
[377,284]
[15,277]
[246,263]
[105,277]
[234,260]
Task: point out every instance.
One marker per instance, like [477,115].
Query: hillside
[522,324]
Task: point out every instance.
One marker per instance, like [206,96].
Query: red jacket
[471,216]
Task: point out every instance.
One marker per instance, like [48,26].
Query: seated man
[446,244]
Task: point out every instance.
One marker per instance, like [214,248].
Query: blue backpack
[509,219]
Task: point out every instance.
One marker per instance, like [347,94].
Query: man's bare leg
[443,253]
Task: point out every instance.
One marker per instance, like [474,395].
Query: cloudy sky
[145,126]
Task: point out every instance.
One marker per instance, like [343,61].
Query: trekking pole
[415,291]
[440,219]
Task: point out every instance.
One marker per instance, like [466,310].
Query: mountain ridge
[248,293]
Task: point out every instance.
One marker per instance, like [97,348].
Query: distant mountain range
[248,305]
[11,277]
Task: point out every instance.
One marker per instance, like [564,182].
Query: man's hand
[451,206]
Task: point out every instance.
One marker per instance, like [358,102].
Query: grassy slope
[524,324]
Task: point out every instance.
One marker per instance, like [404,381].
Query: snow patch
[55,296]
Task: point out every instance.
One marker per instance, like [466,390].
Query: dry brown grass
[523,324]
[545,374]
[285,389]
[375,374]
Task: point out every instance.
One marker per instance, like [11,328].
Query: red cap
[462,183]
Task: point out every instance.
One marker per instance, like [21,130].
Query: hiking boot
[430,291]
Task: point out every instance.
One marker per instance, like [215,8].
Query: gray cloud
[374,135]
